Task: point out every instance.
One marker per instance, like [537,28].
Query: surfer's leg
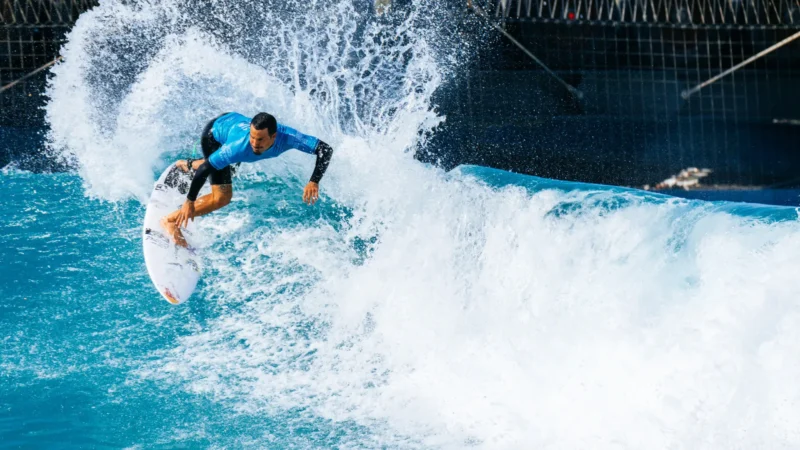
[221,187]
[172,229]
[204,205]
[220,196]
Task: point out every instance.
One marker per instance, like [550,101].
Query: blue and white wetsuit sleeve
[221,158]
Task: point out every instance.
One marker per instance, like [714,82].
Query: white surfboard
[174,270]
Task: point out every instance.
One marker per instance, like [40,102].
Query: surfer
[231,139]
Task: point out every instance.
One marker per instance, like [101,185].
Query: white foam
[483,318]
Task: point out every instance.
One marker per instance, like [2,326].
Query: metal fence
[697,12]
[31,32]
[42,12]
[22,50]
[630,124]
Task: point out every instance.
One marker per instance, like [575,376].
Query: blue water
[80,317]
[410,308]
[82,323]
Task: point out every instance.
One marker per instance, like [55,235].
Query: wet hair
[264,120]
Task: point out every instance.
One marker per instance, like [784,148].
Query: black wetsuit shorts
[209,146]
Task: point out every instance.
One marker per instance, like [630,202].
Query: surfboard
[174,270]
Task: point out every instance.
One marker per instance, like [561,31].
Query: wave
[440,310]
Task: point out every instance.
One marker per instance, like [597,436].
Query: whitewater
[410,308]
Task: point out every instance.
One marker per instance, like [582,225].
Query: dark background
[631,127]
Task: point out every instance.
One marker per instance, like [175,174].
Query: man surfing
[231,139]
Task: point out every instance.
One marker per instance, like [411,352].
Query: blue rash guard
[226,141]
[233,132]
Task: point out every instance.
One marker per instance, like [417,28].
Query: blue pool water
[81,319]
[310,330]
[410,308]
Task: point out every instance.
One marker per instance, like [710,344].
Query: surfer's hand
[311,193]
[185,214]
[182,164]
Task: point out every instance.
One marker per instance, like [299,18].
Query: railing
[690,12]
[42,12]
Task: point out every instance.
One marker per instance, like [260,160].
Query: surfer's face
[261,140]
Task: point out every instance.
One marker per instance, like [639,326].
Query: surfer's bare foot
[174,232]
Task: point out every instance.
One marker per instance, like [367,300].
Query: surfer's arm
[324,153]
[201,174]
[183,164]
[220,196]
